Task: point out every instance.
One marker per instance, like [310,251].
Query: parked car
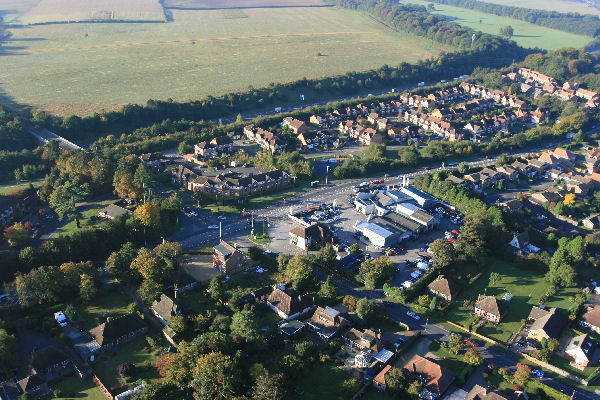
[60,318]
[538,372]
[471,342]
[413,315]
[213,227]
[222,217]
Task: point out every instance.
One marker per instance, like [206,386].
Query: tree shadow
[524,36]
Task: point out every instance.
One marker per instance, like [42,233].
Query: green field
[526,287]
[86,213]
[526,34]
[88,67]
[322,382]
[74,388]
[564,6]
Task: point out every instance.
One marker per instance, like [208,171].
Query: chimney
[107,319]
[415,368]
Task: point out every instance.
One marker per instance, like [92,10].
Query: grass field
[73,388]
[109,302]
[59,11]
[526,287]
[86,213]
[89,67]
[323,382]
[13,188]
[526,34]
[564,6]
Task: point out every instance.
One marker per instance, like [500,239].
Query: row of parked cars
[455,216]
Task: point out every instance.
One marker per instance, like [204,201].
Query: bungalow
[368,341]
[227,258]
[285,303]
[164,309]
[326,322]
[311,238]
[444,288]
[435,378]
[591,318]
[113,211]
[547,324]
[580,350]
[116,331]
[488,307]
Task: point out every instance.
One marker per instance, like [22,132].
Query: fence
[102,388]
[552,368]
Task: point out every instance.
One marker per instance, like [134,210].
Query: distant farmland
[564,6]
[216,4]
[526,34]
[59,11]
[86,67]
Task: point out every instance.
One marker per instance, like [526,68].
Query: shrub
[126,369]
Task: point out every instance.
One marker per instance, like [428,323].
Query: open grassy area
[196,301]
[109,302]
[87,212]
[93,66]
[322,382]
[139,353]
[565,6]
[14,187]
[526,34]
[107,376]
[526,287]
[74,388]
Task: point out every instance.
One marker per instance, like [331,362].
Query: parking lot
[342,219]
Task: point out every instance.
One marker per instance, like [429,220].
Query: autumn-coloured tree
[148,214]
[569,199]
[87,288]
[16,235]
[125,187]
[216,377]
[149,265]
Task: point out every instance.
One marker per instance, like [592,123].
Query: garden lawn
[109,302]
[106,375]
[526,287]
[72,387]
[137,352]
[84,220]
[322,382]
[196,301]
[13,188]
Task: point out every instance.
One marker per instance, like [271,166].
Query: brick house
[227,258]
[435,378]
[368,341]
[379,380]
[311,238]
[116,331]
[580,350]
[591,318]
[295,125]
[326,322]
[490,308]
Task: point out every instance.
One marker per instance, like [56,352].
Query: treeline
[28,164]
[417,20]
[580,24]
[487,51]
[13,131]
[567,64]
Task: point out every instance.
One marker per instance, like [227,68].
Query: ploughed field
[87,67]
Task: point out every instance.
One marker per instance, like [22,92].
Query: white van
[60,318]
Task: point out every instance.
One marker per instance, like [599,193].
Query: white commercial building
[378,236]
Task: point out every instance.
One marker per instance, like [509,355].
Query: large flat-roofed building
[377,235]
[402,222]
[423,199]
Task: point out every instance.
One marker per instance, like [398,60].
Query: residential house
[326,322]
[580,350]
[368,341]
[13,209]
[227,258]
[435,378]
[288,305]
[444,288]
[222,143]
[312,237]
[591,318]
[113,211]
[116,331]
[35,386]
[295,125]
[490,308]
[547,323]
[164,309]
[520,242]
[238,184]
[50,362]
[586,94]
[150,159]
[455,180]
[539,116]
[317,120]
[547,196]
[379,379]
[592,222]
[512,205]
[372,118]
[307,140]
[182,175]
[482,393]
[205,149]
[509,173]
